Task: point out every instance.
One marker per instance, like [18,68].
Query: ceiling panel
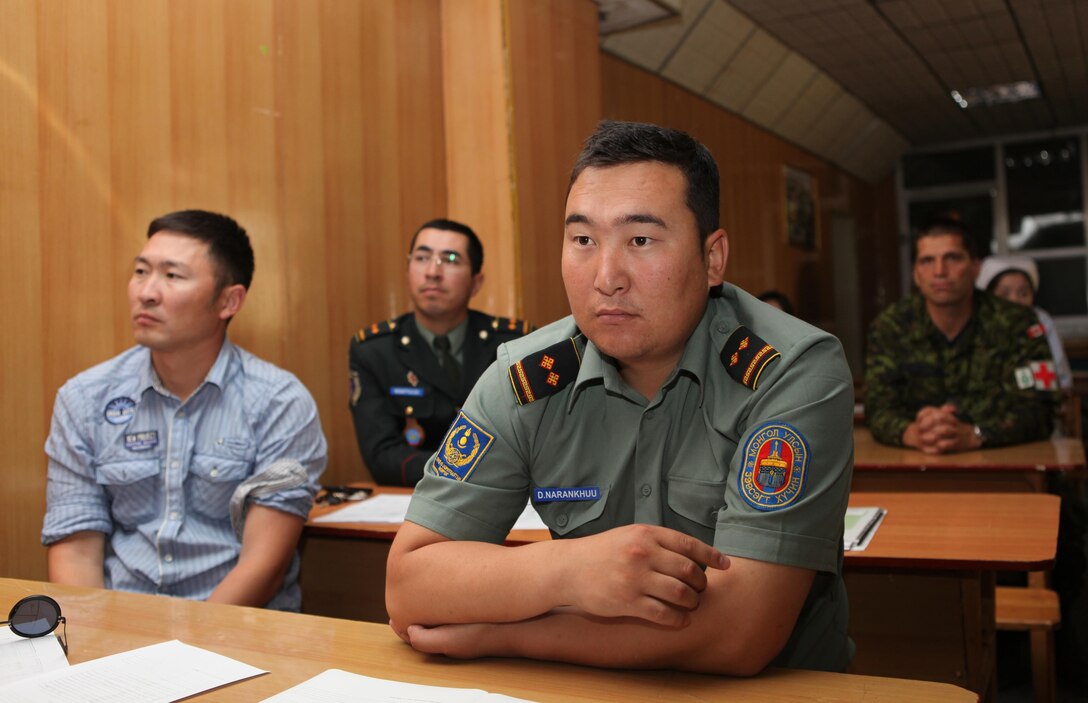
[836,76]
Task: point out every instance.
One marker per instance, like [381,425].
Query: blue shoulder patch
[462,448]
[774,466]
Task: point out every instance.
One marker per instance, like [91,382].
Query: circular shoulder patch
[772,474]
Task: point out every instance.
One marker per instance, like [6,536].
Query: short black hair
[616,143]
[944,226]
[475,248]
[228,243]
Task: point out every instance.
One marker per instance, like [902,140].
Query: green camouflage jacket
[998,371]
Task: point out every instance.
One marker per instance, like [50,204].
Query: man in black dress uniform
[410,376]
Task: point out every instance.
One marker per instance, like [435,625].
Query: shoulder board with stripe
[545,372]
[376,330]
[745,356]
[511,325]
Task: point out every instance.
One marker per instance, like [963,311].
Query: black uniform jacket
[401,399]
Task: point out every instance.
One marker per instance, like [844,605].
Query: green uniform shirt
[678,460]
[998,371]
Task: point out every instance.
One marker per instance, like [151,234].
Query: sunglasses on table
[335,495]
[37,616]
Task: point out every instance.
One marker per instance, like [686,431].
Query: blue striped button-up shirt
[156,475]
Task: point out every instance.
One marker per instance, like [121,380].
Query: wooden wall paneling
[342,37]
[24,409]
[479,142]
[198,87]
[140,144]
[384,264]
[77,248]
[294,47]
[249,133]
[555,81]
[420,114]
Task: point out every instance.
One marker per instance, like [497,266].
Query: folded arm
[634,596]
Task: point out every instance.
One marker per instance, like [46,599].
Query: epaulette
[510,324]
[745,356]
[545,372]
[376,330]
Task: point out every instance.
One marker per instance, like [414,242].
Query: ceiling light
[996,94]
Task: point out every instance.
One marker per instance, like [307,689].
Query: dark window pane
[1062,288]
[1043,182]
[976,212]
[946,167]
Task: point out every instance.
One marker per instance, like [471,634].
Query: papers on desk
[336,686]
[860,526]
[21,657]
[160,673]
[392,508]
[383,508]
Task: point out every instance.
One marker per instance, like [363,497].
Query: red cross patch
[547,362]
[1045,378]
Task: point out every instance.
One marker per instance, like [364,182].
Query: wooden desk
[295,647]
[921,595]
[1021,467]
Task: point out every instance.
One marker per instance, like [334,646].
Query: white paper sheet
[21,657]
[389,508]
[860,526]
[336,686]
[159,673]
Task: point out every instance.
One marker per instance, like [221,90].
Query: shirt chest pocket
[134,489]
[697,504]
[565,517]
[211,483]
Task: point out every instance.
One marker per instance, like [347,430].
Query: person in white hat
[1016,279]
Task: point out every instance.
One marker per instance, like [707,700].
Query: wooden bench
[1037,611]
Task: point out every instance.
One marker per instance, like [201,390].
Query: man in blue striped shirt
[185,466]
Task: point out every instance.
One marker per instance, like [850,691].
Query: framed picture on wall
[802,216]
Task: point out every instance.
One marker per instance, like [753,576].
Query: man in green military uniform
[951,368]
[409,376]
[671,421]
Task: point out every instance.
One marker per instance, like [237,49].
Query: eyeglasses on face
[423,257]
[37,616]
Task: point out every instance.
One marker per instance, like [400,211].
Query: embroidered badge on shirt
[1025,379]
[406,391]
[773,473]
[745,356]
[546,372]
[120,410]
[1043,374]
[141,441]
[555,495]
[413,432]
[1036,331]
[463,447]
[413,380]
[356,387]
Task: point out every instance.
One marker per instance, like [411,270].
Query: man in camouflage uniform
[951,368]
[410,376]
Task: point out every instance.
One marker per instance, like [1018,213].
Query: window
[1023,196]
